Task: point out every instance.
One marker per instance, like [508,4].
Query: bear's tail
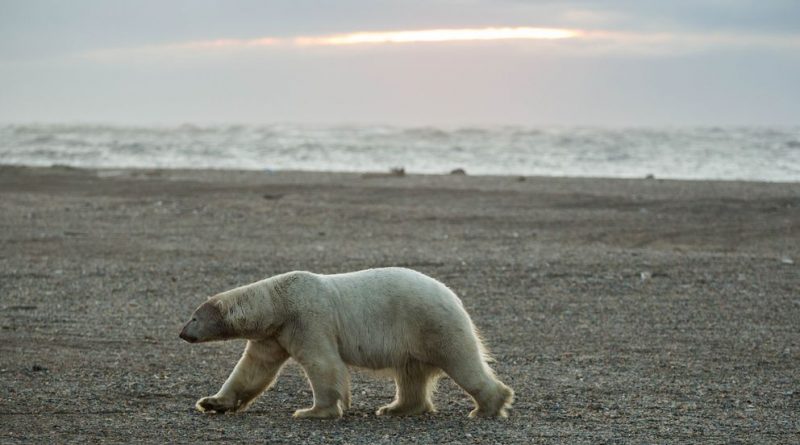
[486,356]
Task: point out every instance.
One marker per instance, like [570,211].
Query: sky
[409,62]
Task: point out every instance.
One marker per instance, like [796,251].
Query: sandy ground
[635,311]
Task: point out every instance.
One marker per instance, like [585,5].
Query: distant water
[761,154]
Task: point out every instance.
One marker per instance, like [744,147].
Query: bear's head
[207,324]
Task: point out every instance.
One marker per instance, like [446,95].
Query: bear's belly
[374,356]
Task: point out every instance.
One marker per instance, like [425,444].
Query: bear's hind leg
[415,385]
[491,395]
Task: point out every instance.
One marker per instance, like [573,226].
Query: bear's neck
[250,311]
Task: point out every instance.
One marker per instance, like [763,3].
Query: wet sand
[639,311]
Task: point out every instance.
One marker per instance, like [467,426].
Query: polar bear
[390,319]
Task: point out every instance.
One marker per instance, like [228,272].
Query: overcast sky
[625,62]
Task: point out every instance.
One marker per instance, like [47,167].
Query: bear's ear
[209,311]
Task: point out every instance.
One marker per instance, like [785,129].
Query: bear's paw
[216,405]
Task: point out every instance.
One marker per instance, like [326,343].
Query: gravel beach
[619,310]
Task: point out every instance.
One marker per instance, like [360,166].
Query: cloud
[591,42]
[44,28]
[441,35]
[426,36]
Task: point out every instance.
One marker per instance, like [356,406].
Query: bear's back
[391,283]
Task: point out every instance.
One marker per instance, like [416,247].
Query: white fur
[391,319]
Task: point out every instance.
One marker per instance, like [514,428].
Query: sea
[706,153]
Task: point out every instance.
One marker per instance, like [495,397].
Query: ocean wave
[744,153]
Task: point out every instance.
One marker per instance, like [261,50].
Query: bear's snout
[186,336]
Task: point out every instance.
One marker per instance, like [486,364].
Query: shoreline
[617,309]
[378,174]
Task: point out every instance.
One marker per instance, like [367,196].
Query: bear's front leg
[330,383]
[255,372]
